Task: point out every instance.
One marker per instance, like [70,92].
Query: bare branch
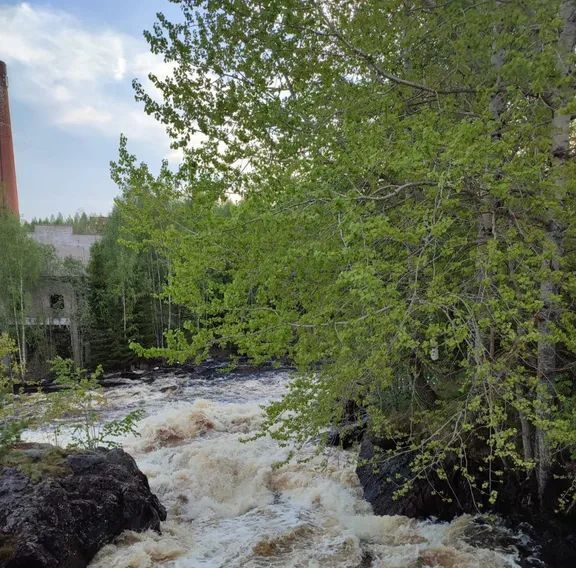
[397,190]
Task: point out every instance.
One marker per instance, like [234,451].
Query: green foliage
[11,422]
[22,260]
[81,401]
[124,298]
[404,226]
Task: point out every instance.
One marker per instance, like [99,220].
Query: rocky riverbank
[58,508]
[552,535]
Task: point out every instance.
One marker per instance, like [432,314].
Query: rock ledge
[552,536]
[57,509]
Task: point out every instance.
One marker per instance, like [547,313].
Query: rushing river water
[228,506]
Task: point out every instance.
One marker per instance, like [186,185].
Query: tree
[125,300]
[21,263]
[405,230]
[11,423]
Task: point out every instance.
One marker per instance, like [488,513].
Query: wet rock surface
[350,429]
[58,509]
[549,539]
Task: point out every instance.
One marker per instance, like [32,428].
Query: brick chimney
[8,189]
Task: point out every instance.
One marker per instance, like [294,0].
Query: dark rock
[350,429]
[382,471]
[346,435]
[492,533]
[117,382]
[61,521]
[46,385]
[130,375]
[381,476]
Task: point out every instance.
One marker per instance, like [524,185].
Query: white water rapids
[228,506]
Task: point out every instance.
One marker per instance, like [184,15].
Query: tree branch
[369,59]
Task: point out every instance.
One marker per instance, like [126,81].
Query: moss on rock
[37,461]
[7,547]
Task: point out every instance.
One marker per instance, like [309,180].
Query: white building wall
[65,242]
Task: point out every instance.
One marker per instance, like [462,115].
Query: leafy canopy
[400,192]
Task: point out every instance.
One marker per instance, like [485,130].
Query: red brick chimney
[8,189]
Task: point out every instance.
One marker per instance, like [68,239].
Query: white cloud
[175,156]
[86,115]
[79,77]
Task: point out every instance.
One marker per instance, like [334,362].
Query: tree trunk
[124,308]
[486,222]
[527,438]
[152,299]
[23,323]
[18,338]
[548,316]
[426,395]
[158,288]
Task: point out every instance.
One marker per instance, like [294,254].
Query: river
[229,506]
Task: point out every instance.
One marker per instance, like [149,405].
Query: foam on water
[230,506]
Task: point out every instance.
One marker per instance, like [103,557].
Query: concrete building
[57,302]
[65,242]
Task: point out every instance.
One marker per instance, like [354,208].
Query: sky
[70,69]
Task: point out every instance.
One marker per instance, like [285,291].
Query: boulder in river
[58,508]
[382,471]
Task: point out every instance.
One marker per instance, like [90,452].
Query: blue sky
[70,66]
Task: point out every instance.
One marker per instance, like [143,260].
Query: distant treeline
[82,224]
